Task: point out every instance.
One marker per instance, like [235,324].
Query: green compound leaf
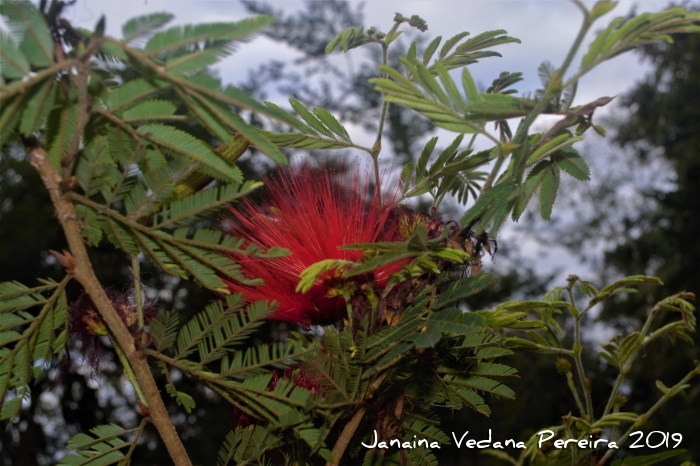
[104,447]
[13,63]
[569,160]
[28,24]
[143,25]
[183,143]
[548,189]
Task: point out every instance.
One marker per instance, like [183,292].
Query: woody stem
[84,273]
[346,436]
[351,427]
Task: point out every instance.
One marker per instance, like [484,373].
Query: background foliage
[665,247]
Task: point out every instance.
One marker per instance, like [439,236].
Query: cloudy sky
[546,28]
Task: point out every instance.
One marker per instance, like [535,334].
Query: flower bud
[94,323]
[620,400]
[563,366]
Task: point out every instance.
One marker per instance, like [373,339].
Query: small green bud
[562,365]
[620,400]
[418,23]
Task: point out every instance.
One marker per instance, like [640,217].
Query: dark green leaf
[499,107]
[470,87]
[497,194]
[195,61]
[430,50]
[28,24]
[429,337]
[450,43]
[532,182]
[310,118]
[462,289]
[13,63]
[331,123]
[424,157]
[37,107]
[60,127]
[129,93]
[548,190]
[452,91]
[180,142]
[150,110]
[569,160]
[215,34]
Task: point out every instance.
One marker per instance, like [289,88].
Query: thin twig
[625,366]
[572,386]
[20,88]
[135,268]
[644,417]
[126,461]
[577,356]
[130,375]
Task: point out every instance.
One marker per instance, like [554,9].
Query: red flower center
[311,211]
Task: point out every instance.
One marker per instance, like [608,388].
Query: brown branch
[84,273]
[351,427]
[584,111]
[345,436]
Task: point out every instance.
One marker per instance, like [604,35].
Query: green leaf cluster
[214,348]
[546,335]
[454,54]
[318,130]
[424,253]
[621,35]
[142,180]
[122,146]
[453,172]
[103,447]
[33,332]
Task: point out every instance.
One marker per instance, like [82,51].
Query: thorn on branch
[69,185]
[65,259]
[143,409]
[142,339]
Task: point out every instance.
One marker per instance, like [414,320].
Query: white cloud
[546,28]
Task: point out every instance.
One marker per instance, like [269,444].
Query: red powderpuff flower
[311,211]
